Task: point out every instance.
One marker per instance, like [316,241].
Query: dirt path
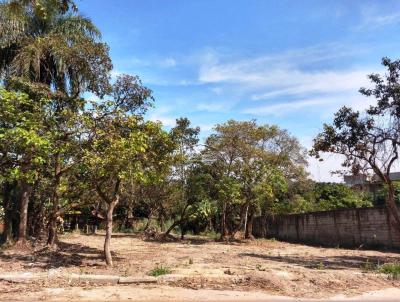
[266,266]
[169,294]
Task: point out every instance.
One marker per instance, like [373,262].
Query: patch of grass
[210,234]
[160,270]
[392,269]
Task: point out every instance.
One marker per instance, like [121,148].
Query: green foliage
[48,42]
[329,196]
[24,137]
[160,270]
[392,269]
[382,194]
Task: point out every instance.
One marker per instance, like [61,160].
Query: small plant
[320,265]
[392,269]
[159,271]
[367,266]
[260,268]
[126,272]
[190,261]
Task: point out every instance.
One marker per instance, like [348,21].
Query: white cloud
[286,74]
[280,108]
[168,62]
[296,82]
[212,107]
[372,17]
[321,171]
[329,103]
[161,114]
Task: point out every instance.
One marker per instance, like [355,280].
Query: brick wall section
[368,227]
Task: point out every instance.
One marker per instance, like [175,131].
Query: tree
[369,140]
[48,42]
[120,146]
[25,145]
[250,155]
[49,50]
[185,138]
[329,196]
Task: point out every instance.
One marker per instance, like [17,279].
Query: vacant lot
[201,263]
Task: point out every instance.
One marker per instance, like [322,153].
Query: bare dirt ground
[263,266]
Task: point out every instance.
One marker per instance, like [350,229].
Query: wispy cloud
[291,73]
[373,17]
[212,107]
[298,82]
[280,108]
[163,115]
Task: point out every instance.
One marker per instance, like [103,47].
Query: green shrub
[159,271]
[392,269]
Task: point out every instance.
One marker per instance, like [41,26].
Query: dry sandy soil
[258,266]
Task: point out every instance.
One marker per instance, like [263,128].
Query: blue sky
[290,63]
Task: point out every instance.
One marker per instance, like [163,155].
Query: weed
[367,266]
[159,271]
[392,269]
[260,268]
[190,261]
[126,272]
[320,265]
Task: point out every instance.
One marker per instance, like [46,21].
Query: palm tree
[48,42]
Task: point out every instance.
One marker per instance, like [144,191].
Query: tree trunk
[129,217]
[249,226]
[175,224]
[161,220]
[23,211]
[7,235]
[391,204]
[245,219]
[109,225]
[55,203]
[224,227]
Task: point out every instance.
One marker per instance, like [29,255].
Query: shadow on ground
[66,255]
[333,262]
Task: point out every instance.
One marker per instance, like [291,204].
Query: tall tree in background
[249,155]
[370,140]
[186,139]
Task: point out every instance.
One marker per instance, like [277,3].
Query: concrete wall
[368,227]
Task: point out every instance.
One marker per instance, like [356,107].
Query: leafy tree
[120,146]
[24,149]
[186,139]
[49,50]
[48,42]
[252,156]
[370,140]
[329,196]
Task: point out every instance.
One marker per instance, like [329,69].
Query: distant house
[368,184]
